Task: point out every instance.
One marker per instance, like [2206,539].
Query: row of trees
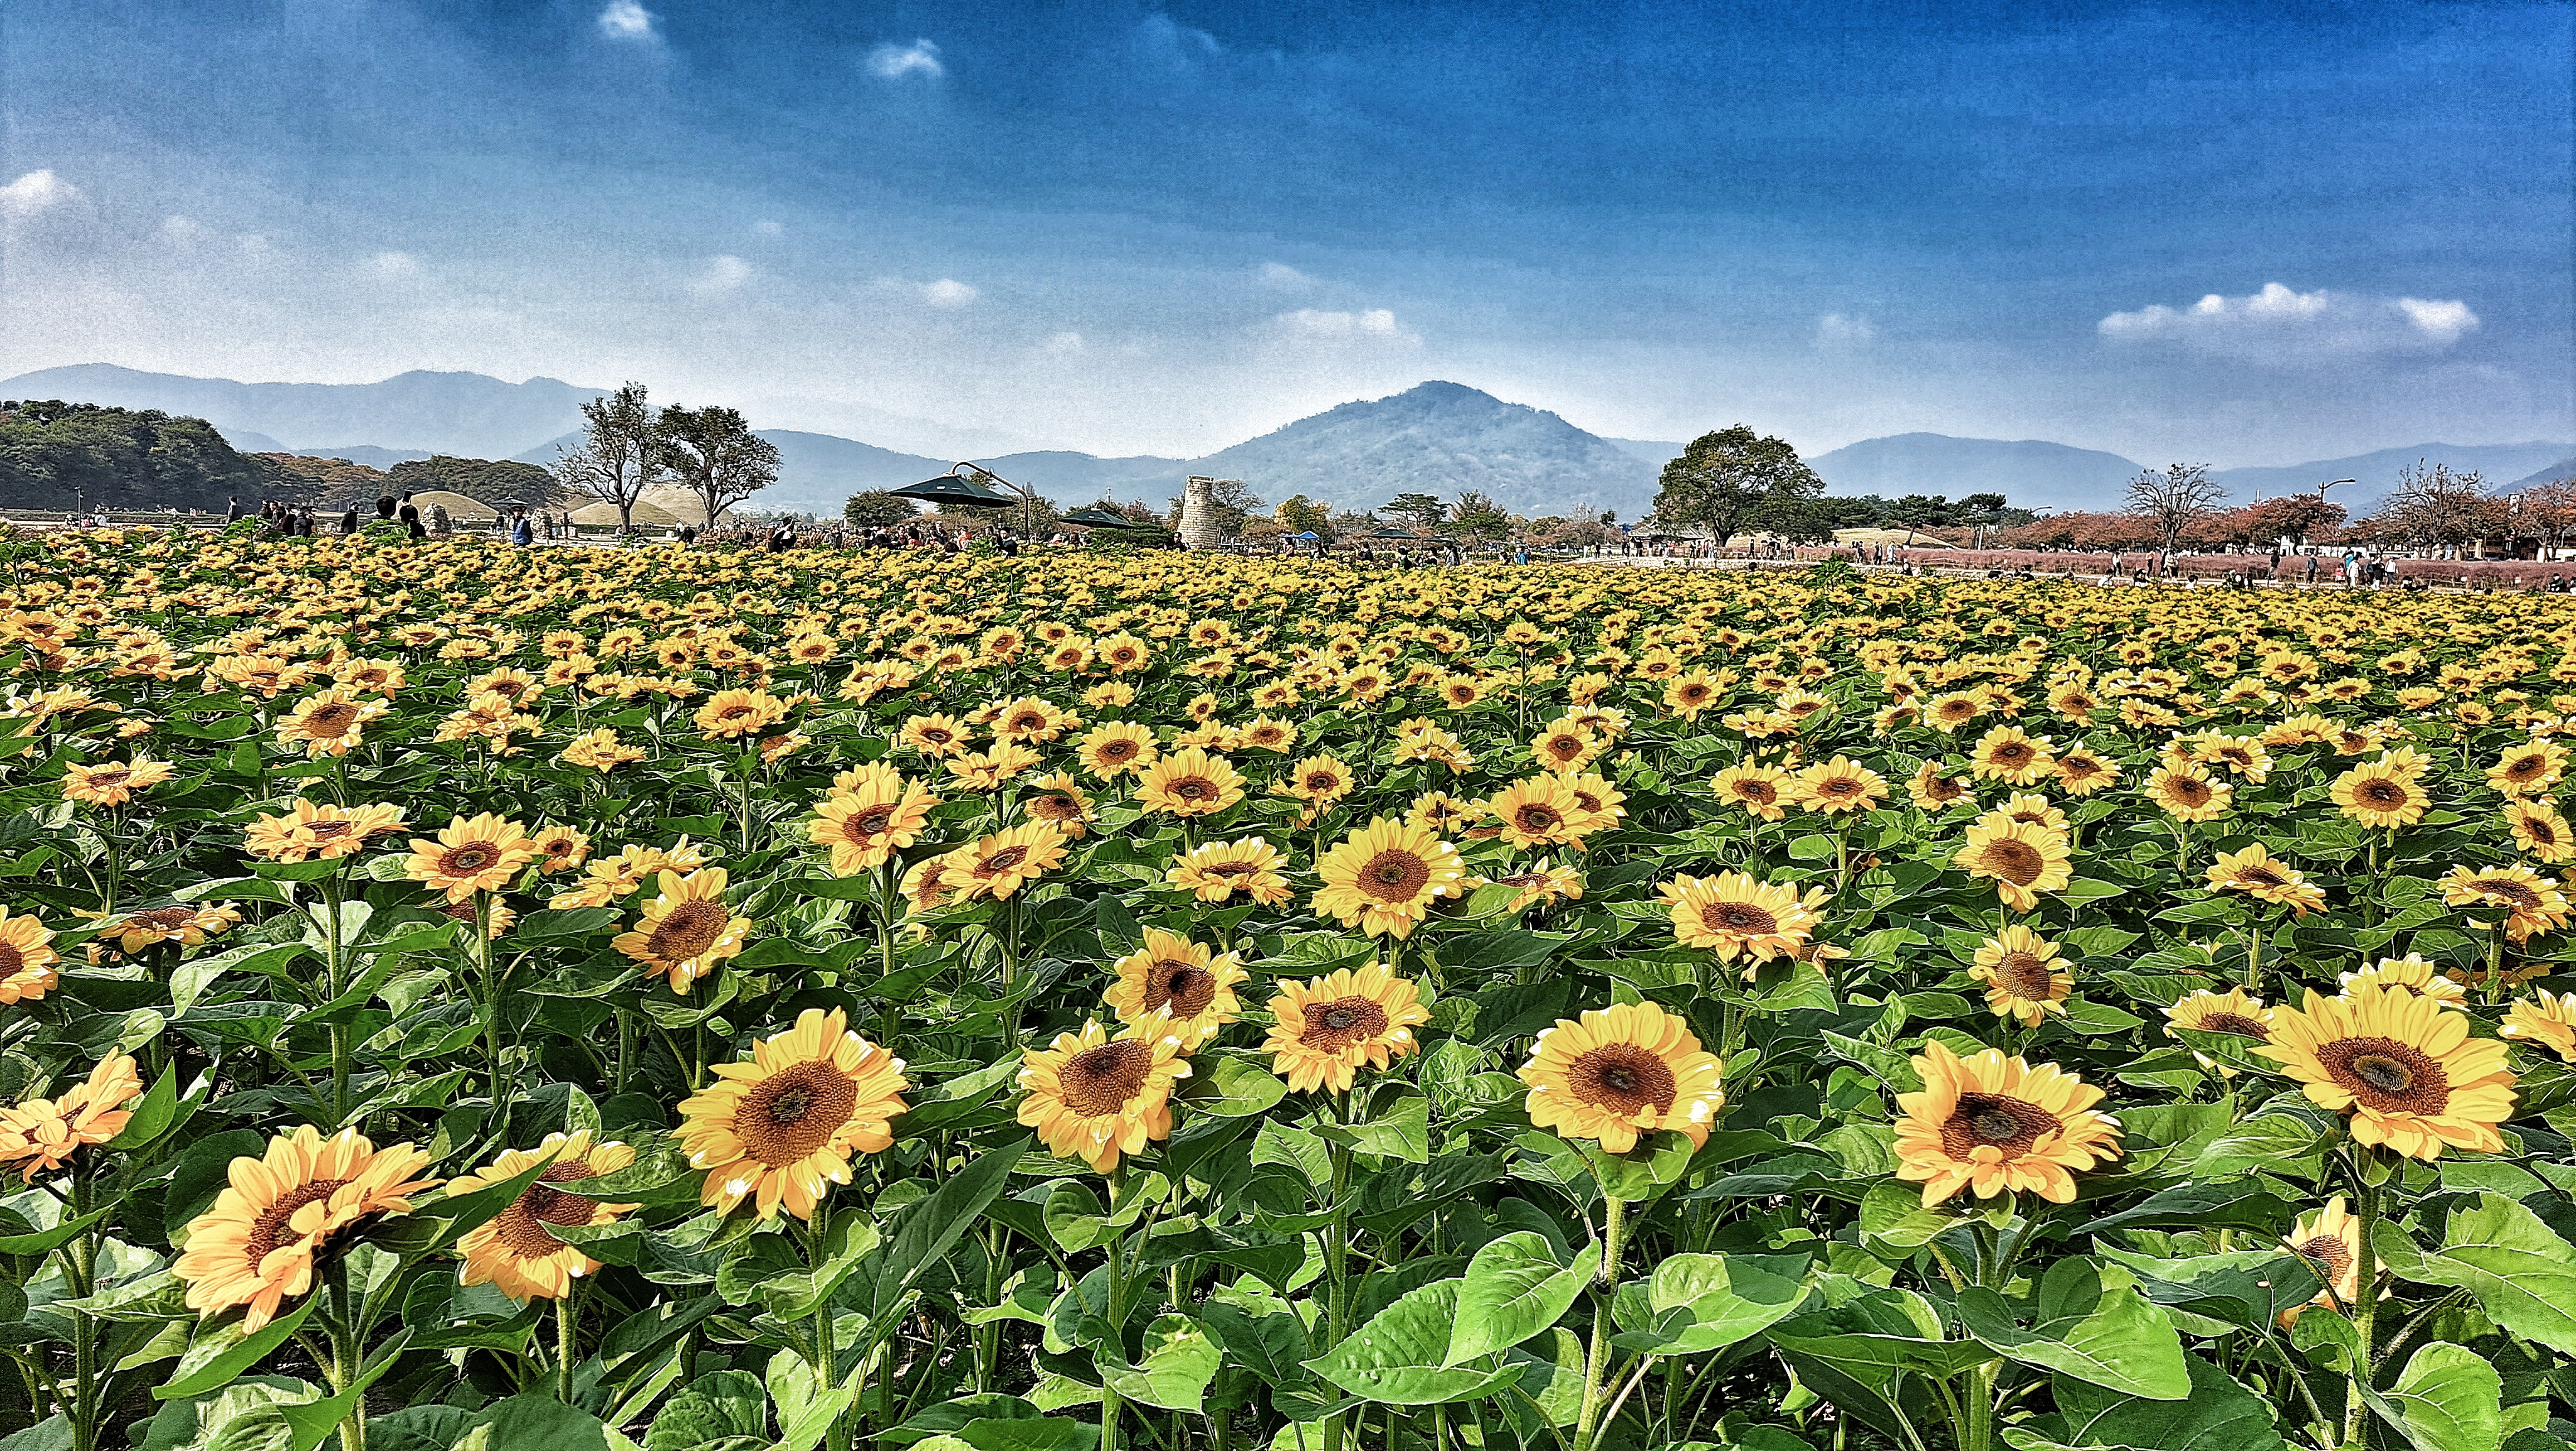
[629,448]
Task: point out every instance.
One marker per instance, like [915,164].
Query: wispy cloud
[1172,46]
[2283,326]
[894,61]
[394,264]
[1284,277]
[1067,342]
[1834,330]
[36,192]
[720,276]
[948,292]
[628,21]
[1376,323]
[767,228]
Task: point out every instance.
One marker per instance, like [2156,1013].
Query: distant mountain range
[1436,438]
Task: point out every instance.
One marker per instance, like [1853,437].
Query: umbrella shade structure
[950,489]
[1103,519]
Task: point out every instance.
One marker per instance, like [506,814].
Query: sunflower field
[456,997]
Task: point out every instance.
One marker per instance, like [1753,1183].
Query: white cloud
[1173,46]
[767,229]
[37,191]
[947,292]
[1373,325]
[893,62]
[720,276]
[2283,326]
[1065,343]
[395,264]
[1284,277]
[181,231]
[1834,330]
[628,21]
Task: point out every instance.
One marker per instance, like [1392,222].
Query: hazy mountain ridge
[1437,437]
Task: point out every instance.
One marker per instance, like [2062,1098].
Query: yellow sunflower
[2024,976]
[1057,800]
[27,958]
[1218,870]
[2403,1070]
[1764,792]
[2190,793]
[2412,973]
[999,865]
[2532,903]
[1840,785]
[864,828]
[1619,1072]
[41,1134]
[1933,792]
[1540,885]
[2234,1012]
[255,1246]
[2253,871]
[687,929]
[2380,796]
[329,723]
[2530,769]
[1734,916]
[515,1251]
[114,783]
[780,1127]
[1564,745]
[1998,1125]
[2545,1018]
[735,713]
[2011,755]
[2022,860]
[2083,773]
[2537,828]
[1324,1030]
[1189,782]
[480,854]
[2329,1239]
[1094,1098]
[1539,811]
[1186,982]
[1385,876]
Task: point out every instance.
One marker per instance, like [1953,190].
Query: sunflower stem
[2365,1187]
[567,1338]
[1596,1360]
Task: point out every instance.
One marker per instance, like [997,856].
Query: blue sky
[2237,233]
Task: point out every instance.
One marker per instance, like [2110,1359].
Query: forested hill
[78,456]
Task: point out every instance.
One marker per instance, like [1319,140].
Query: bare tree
[715,455]
[618,459]
[2434,506]
[2548,511]
[2173,499]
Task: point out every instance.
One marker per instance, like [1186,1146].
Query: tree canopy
[1733,480]
[73,456]
[877,509]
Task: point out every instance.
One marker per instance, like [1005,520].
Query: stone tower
[1198,514]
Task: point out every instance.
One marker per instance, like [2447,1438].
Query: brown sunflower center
[1760,793]
[2017,862]
[1839,788]
[2328,1253]
[1621,1077]
[1342,1022]
[1535,817]
[2253,877]
[274,1227]
[1564,748]
[1738,919]
[1266,735]
[2386,1075]
[1229,869]
[331,720]
[865,826]
[1994,1120]
[1185,987]
[794,1112]
[2011,753]
[327,830]
[1193,788]
[1395,876]
[1002,861]
[1100,1081]
[687,930]
[162,919]
[2517,895]
[2541,829]
[11,959]
[2024,975]
[113,776]
[1117,750]
[2188,791]
[2236,1023]
[471,859]
[2523,768]
[2385,794]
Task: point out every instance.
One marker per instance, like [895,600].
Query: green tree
[1478,517]
[1733,480]
[1297,514]
[619,456]
[1423,509]
[713,454]
[876,509]
[73,456]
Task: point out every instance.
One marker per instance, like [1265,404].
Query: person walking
[522,534]
[349,520]
[233,513]
[408,515]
